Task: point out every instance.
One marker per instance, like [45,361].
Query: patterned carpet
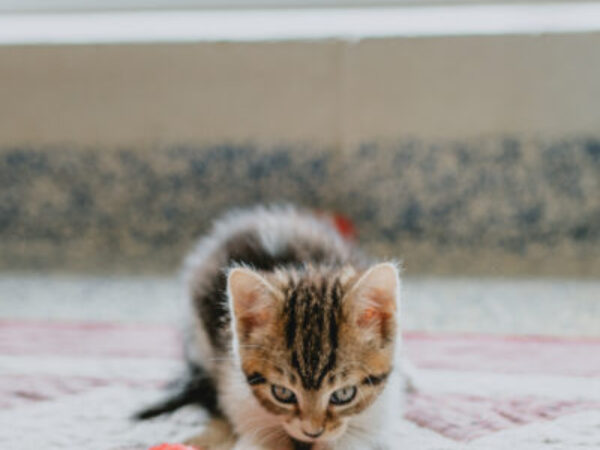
[73,385]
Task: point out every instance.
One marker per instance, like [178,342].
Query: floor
[79,354]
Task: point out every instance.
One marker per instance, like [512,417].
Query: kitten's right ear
[374,299]
[252,300]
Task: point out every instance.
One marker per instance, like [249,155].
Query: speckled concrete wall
[493,206]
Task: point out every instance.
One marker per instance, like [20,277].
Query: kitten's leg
[245,443]
[275,442]
[217,435]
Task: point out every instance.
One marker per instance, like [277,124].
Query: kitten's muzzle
[314,434]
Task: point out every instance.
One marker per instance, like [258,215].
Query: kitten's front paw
[217,435]
[249,445]
[245,443]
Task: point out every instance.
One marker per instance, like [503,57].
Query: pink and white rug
[74,386]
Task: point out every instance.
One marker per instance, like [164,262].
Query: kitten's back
[264,239]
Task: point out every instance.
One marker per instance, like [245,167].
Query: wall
[465,154]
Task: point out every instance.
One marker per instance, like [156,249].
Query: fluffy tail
[195,387]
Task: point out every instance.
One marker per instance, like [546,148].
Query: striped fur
[275,302]
[313,311]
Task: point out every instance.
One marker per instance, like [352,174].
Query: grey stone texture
[502,205]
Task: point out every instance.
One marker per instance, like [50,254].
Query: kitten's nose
[314,434]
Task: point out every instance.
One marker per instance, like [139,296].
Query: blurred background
[460,136]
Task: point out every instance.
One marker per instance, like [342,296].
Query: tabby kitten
[294,338]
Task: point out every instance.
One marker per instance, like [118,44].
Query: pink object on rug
[473,385]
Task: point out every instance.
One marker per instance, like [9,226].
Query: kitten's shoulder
[265,237]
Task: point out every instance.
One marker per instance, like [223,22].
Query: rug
[75,386]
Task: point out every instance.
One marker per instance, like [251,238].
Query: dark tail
[195,387]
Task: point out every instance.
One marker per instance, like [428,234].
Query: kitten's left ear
[375,296]
[252,300]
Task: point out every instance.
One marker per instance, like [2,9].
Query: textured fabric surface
[75,385]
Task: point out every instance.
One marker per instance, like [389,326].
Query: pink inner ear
[385,299]
[255,316]
[254,312]
[380,306]
[367,317]
[251,321]
[375,298]
[251,301]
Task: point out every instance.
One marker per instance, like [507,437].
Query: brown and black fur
[281,300]
[207,285]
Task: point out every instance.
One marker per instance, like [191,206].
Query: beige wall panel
[462,87]
[141,94]
[321,92]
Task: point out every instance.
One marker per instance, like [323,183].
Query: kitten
[294,339]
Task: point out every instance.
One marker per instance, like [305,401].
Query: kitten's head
[316,345]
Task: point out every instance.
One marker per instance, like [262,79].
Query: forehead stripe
[290,330]
[312,330]
[336,294]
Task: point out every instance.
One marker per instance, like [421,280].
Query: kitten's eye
[283,394]
[343,395]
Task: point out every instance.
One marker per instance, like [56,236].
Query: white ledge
[301,24]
